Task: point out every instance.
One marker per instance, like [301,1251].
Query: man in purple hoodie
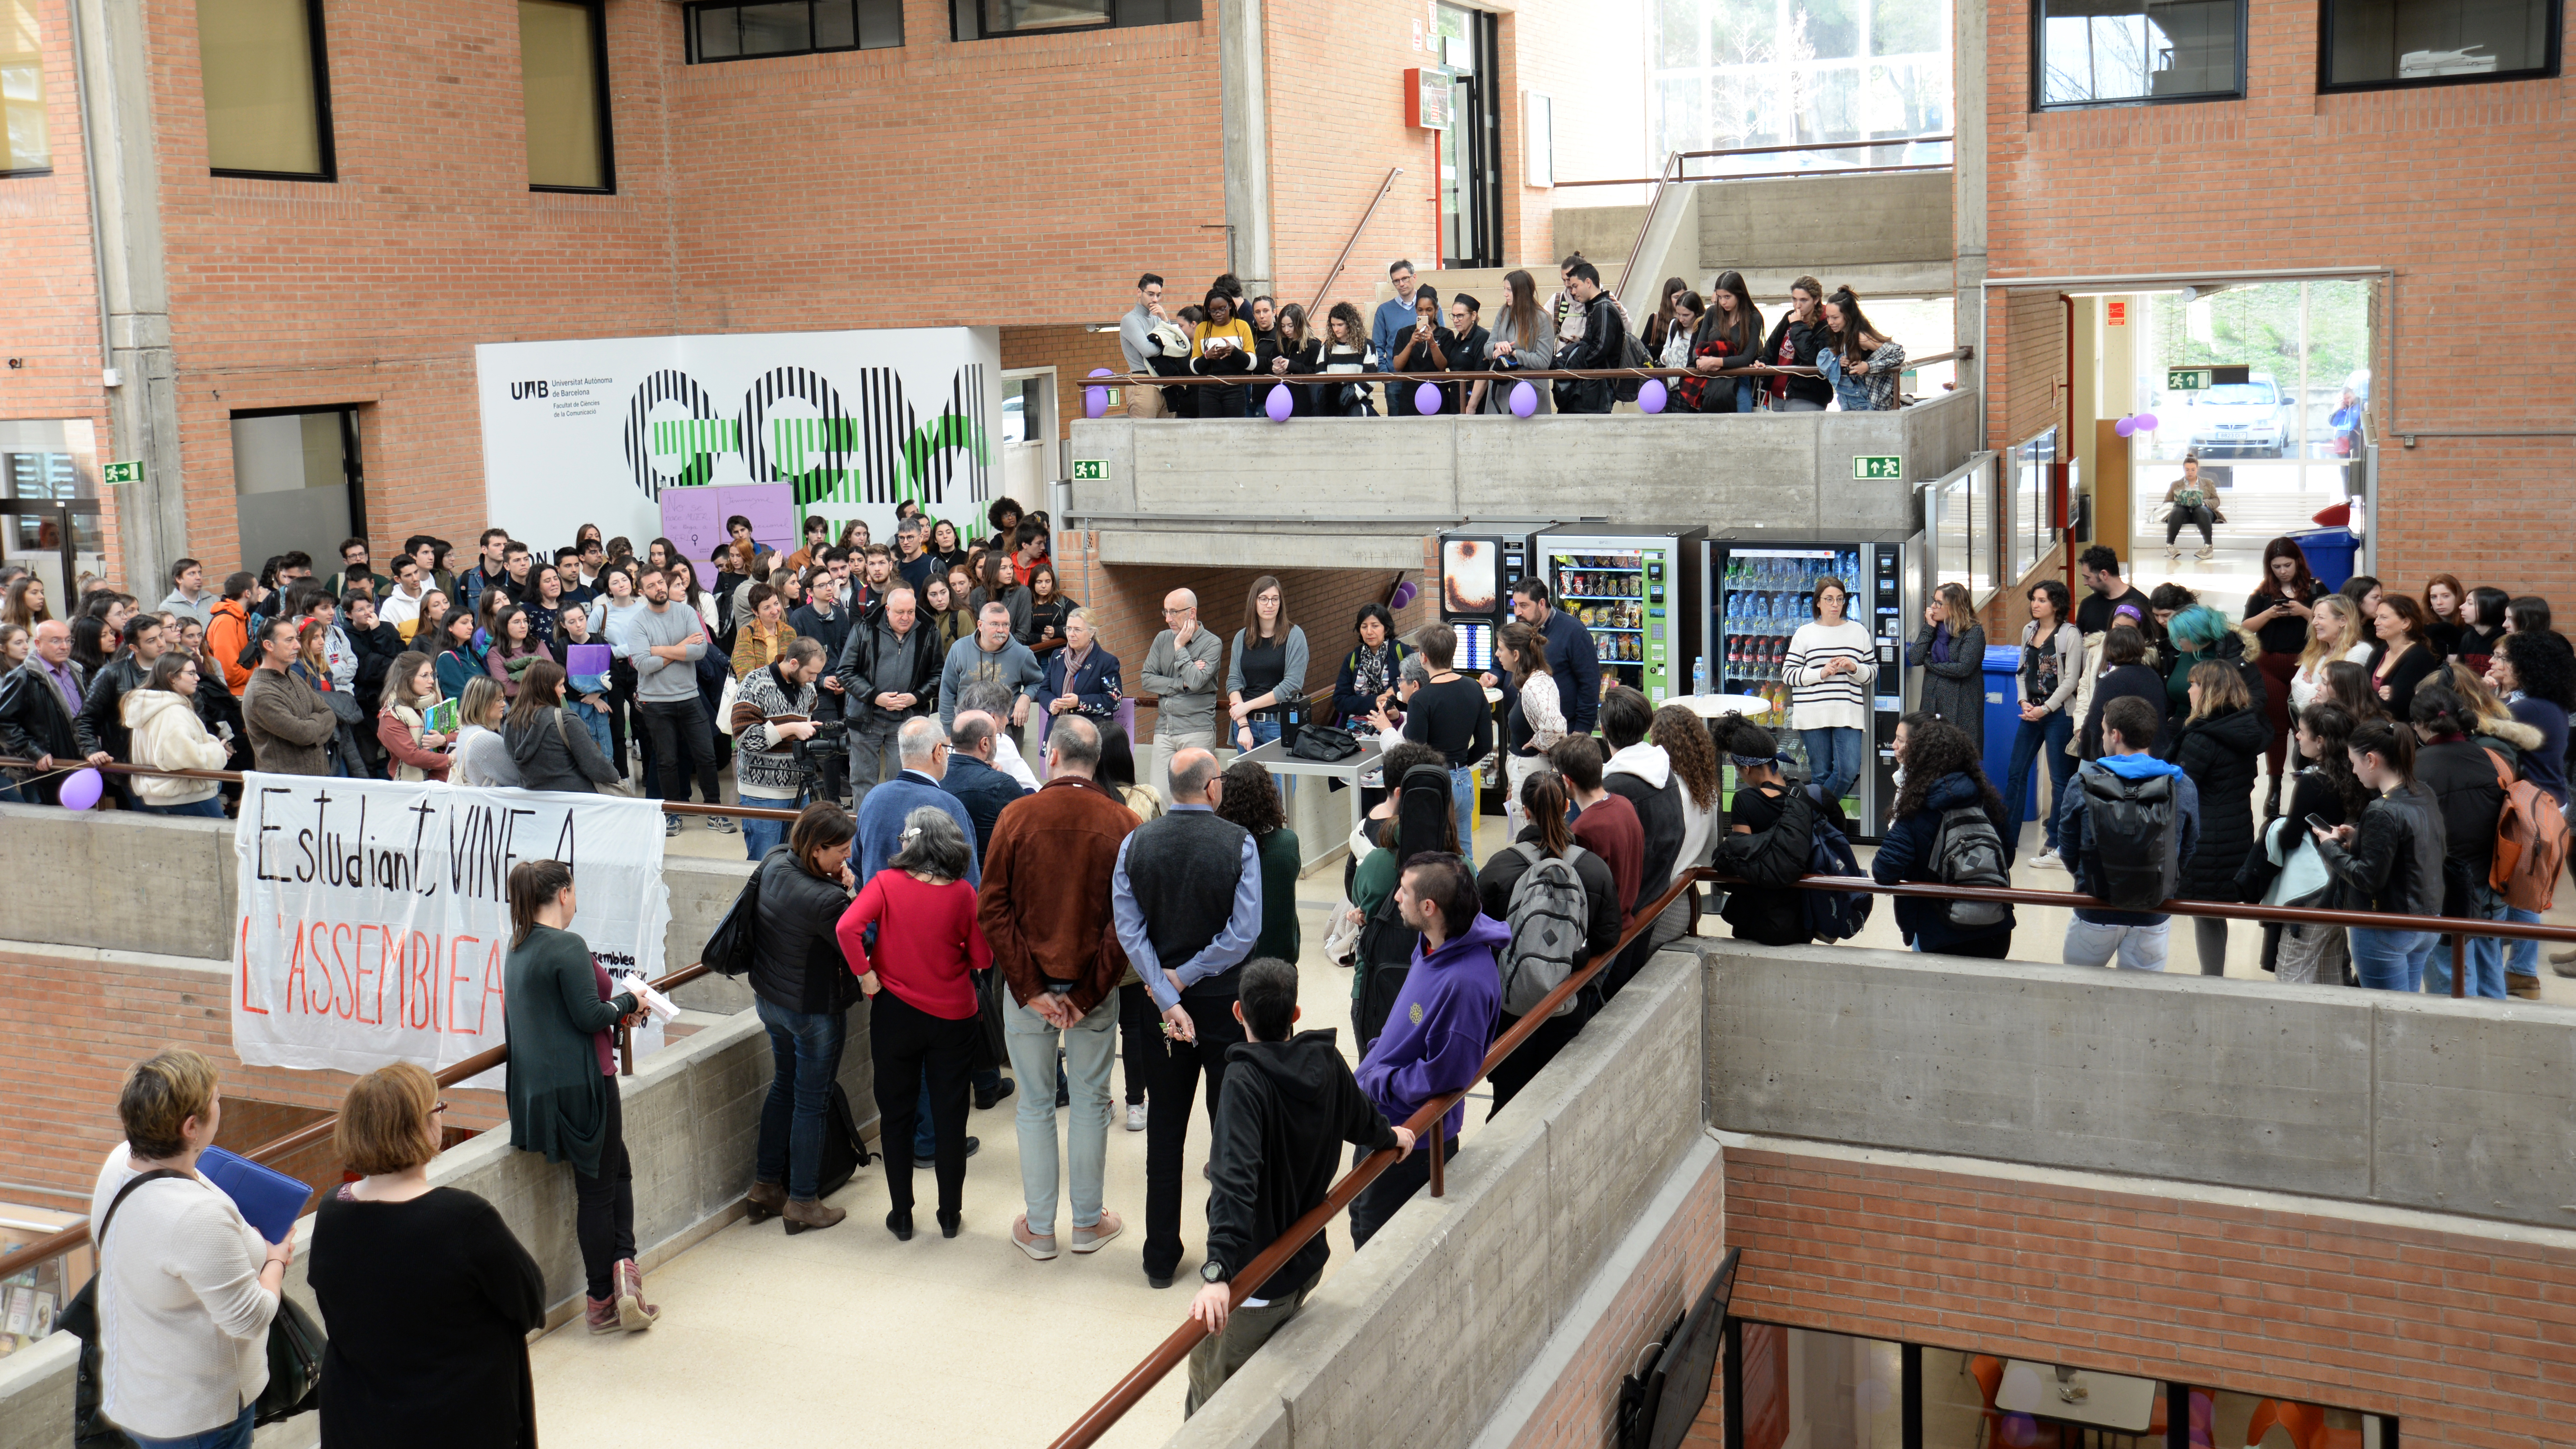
[1437,1032]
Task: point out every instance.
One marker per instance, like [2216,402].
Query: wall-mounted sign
[2116,314]
[1879,465]
[121,473]
[1426,98]
[1090,470]
[2186,379]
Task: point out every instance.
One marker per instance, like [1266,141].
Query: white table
[2117,1402]
[1323,829]
[1710,706]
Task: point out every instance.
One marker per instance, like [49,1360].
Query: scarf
[1370,668]
[1941,645]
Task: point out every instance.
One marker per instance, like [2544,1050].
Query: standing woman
[763,636]
[1951,650]
[1294,351]
[553,748]
[411,692]
[2406,659]
[1221,346]
[2278,613]
[2324,789]
[545,582]
[2334,635]
[1346,349]
[161,716]
[996,583]
[2535,673]
[2124,672]
[2348,686]
[946,622]
[458,660]
[1081,677]
[1675,348]
[804,992]
[1040,622]
[24,605]
[1534,719]
[1730,340]
[482,756]
[427,1295]
[514,649]
[1251,800]
[1863,366]
[944,545]
[562,1085]
[2443,601]
[1830,662]
[2482,619]
[2390,861]
[923,1016]
[2052,667]
[1266,676]
[1944,771]
[617,602]
[1522,337]
[1658,332]
[1369,674]
[2220,741]
[1424,347]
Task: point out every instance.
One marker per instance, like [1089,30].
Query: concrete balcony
[1362,492]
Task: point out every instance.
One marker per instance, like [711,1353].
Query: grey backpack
[1966,851]
[1549,916]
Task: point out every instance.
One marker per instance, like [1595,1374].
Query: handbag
[728,948]
[992,1044]
[1323,744]
[724,705]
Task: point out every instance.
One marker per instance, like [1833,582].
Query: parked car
[2250,418]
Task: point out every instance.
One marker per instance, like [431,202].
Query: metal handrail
[1131,1389]
[1516,374]
[235,777]
[1680,156]
[1353,240]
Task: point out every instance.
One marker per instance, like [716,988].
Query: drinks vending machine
[1755,590]
[1634,589]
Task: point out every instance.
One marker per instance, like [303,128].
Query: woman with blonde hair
[2219,746]
[482,756]
[161,716]
[411,692]
[1951,652]
[1522,337]
[427,1295]
[2334,633]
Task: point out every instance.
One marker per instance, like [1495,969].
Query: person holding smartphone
[1221,346]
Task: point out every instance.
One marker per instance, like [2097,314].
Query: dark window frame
[353,460]
[607,122]
[689,14]
[2327,85]
[328,152]
[958,10]
[2039,70]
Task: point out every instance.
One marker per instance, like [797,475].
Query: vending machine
[1755,589]
[1635,589]
[1480,560]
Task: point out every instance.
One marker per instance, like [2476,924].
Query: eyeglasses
[1174,613]
[437,1107]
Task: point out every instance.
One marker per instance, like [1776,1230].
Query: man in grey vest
[1186,897]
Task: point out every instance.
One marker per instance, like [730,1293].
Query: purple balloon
[1524,399]
[1095,401]
[1650,397]
[1426,399]
[2125,427]
[1404,594]
[81,789]
[1102,372]
[1279,406]
[2146,422]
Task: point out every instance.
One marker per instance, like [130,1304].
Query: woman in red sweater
[921,1004]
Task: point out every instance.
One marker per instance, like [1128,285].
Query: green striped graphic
[794,442]
[688,437]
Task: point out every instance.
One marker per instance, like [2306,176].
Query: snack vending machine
[1755,590]
[1635,590]
[1480,560]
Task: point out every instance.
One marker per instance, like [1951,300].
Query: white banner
[593,431]
[375,914]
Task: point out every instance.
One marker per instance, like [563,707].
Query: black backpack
[1831,915]
[1776,857]
[729,946]
[1968,851]
[2135,834]
[1634,354]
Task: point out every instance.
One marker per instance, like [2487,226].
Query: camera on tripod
[831,737]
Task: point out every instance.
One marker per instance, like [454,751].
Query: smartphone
[2318,822]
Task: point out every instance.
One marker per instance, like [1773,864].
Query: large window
[563,86]
[792,27]
[1778,72]
[22,91]
[2375,44]
[2028,531]
[982,19]
[2095,52]
[268,106]
[297,483]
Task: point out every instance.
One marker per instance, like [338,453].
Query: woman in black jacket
[2124,671]
[553,749]
[2324,789]
[2219,747]
[2467,789]
[2407,658]
[1762,797]
[805,990]
[1942,773]
[2391,861]
[1951,650]
[1369,672]
[1544,797]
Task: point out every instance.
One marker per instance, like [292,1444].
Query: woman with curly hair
[1684,739]
[1249,799]
[1942,774]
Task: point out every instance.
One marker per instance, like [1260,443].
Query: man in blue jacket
[971,777]
[1394,318]
[2139,938]
[1571,656]
[1439,1028]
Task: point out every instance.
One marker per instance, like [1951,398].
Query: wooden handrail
[1351,241]
[1516,374]
[1673,161]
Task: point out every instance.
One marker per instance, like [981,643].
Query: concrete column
[1968,172]
[1242,68]
[124,183]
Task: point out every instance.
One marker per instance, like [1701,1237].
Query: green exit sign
[1880,465]
[2186,379]
[121,473]
[1090,470]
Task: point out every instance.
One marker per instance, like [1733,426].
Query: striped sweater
[1842,702]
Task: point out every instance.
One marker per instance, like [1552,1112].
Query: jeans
[2030,739]
[805,1050]
[604,1206]
[597,720]
[906,1041]
[682,746]
[1834,758]
[2391,960]
[759,837]
[2521,958]
[212,807]
[1089,1046]
[1220,1355]
[235,1435]
[1167,1128]
[1462,799]
[1394,1188]
[2485,954]
[2140,948]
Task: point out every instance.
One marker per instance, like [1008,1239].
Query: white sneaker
[2048,860]
[2205,551]
[1136,1117]
[2173,555]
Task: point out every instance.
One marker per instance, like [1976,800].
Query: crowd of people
[1822,351]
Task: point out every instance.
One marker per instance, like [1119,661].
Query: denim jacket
[1870,388]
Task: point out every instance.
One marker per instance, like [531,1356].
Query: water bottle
[1699,675]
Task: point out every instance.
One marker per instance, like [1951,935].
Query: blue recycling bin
[2329,552]
[2003,721]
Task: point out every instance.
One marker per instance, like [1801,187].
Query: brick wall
[2461,1334]
[2026,382]
[1073,353]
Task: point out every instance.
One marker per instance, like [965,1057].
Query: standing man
[354,565]
[425,551]
[189,597]
[1435,1038]
[913,561]
[1604,343]
[822,619]
[290,726]
[1137,346]
[1045,910]
[1186,895]
[993,656]
[664,644]
[103,709]
[490,573]
[773,710]
[887,670]
[1571,657]
[1182,671]
[2110,595]
[971,777]
[402,602]
[40,710]
[2140,939]
[1394,319]
[1277,1139]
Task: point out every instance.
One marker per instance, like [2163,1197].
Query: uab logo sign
[796,426]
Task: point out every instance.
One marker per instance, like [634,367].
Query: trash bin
[2003,721]
[2329,552]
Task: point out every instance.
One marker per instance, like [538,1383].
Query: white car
[2250,418]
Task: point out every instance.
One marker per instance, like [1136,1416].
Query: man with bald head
[1183,671]
[40,710]
[1186,897]
[889,673]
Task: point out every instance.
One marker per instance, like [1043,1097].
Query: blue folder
[269,1200]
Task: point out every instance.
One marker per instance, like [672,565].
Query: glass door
[50,518]
[1471,190]
[297,482]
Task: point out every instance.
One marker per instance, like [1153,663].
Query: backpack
[1634,355]
[2134,830]
[1776,857]
[2530,845]
[1833,915]
[1549,915]
[1967,851]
